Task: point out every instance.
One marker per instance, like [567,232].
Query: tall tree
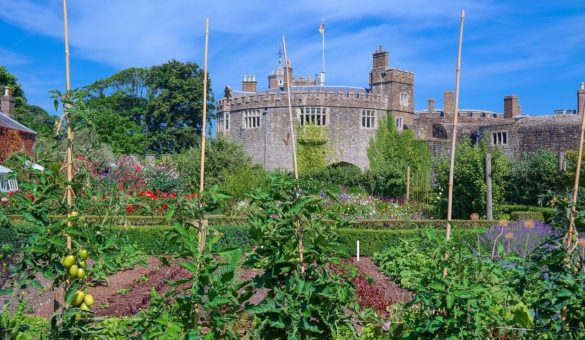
[156,109]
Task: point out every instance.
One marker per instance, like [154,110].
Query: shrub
[535,175]
[390,153]
[527,215]
[547,213]
[469,192]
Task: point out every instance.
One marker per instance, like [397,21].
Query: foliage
[535,175]
[472,301]
[156,109]
[390,153]
[313,150]
[222,157]
[335,175]
[290,232]
[469,191]
[244,180]
[526,215]
[547,212]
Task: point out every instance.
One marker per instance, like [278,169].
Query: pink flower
[4,200]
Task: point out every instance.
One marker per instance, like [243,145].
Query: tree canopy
[155,109]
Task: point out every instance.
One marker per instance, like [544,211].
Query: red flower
[130,209]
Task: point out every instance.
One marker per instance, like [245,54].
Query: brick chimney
[380,58]
[449,102]
[581,98]
[7,102]
[249,83]
[431,106]
[288,76]
[511,107]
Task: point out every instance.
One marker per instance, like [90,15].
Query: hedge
[547,213]
[153,241]
[527,215]
[242,220]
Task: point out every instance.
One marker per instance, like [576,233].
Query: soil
[128,291]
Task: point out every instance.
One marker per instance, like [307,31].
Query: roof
[311,88]
[11,123]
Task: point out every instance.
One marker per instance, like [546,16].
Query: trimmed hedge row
[527,215]
[154,242]
[242,220]
[547,213]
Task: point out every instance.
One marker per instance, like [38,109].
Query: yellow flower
[509,236]
[529,224]
[504,223]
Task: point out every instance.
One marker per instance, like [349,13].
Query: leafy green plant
[294,245]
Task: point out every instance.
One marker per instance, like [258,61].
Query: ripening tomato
[68,261]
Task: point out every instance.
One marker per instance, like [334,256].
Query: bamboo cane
[203,222]
[572,231]
[454,139]
[407,184]
[290,115]
[69,189]
[298,226]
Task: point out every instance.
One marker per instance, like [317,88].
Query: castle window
[223,123]
[399,123]
[470,114]
[442,114]
[483,115]
[404,99]
[313,116]
[369,119]
[500,138]
[251,119]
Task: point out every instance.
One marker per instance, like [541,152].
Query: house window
[398,123]
[369,119]
[404,99]
[251,119]
[313,116]
[500,138]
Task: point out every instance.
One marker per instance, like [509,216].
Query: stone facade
[259,120]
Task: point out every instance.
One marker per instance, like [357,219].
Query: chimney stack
[7,102]
[380,58]
[511,107]
[449,103]
[581,98]
[431,106]
[288,76]
[249,83]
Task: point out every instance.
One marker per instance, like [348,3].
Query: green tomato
[74,214]
[88,299]
[73,270]
[81,264]
[78,298]
[80,273]
[82,254]
[84,306]
[68,261]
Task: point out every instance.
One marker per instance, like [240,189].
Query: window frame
[317,115]
[368,119]
[251,119]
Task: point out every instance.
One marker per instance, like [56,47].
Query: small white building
[8,183]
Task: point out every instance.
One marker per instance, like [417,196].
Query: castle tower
[581,98]
[394,84]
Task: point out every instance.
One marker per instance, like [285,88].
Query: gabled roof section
[11,123]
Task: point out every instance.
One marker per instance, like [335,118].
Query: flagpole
[322,80]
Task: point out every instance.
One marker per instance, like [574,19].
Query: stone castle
[259,119]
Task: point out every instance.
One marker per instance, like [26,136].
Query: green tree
[390,153]
[535,175]
[32,116]
[469,190]
[159,108]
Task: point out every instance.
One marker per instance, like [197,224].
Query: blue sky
[533,49]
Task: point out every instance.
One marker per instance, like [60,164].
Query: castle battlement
[326,96]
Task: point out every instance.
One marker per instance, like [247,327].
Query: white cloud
[9,58]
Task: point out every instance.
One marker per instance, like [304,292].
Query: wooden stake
[69,153]
[407,184]
[454,137]
[204,128]
[203,222]
[488,183]
[290,115]
[571,235]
